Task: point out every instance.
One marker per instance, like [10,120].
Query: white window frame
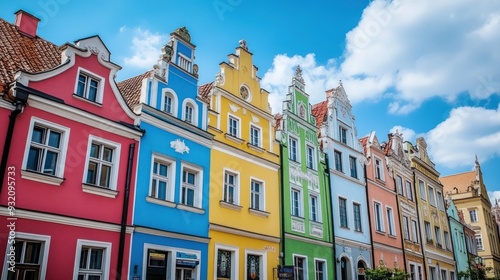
[379,168]
[409,190]
[452,275]
[63,148]
[437,232]
[390,221]
[354,217]
[423,190]
[100,87]
[432,272]
[445,274]
[479,241]
[440,201]
[234,259]
[184,62]
[379,216]
[311,157]
[296,151]
[447,242]
[399,184]
[95,244]
[116,160]
[432,196]
[198,187]
[325,269]
[353,160]
[341,198]
[428,231]
[342,134]
[304,268]
[258,129]
[194,117]
[173,96]
[261,194]
[236,191]
[317,207]
[169,193]
[263,262]
[475,219]
[238,125]
[338,166]
[406,228]
[414,230]
[44,254]
[300,202]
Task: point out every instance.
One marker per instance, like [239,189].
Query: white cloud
[123,28]
[467,132]
[146,48]
[408,133]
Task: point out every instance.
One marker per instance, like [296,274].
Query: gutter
[327,172]
[368,204]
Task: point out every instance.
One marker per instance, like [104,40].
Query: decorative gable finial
[183,33]
[298,74]
[243,44]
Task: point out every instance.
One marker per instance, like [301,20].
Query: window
[414,231]
[479,241]
[255,136]
[432,272]
[390,222]
[354,168]
[447,240]
[343,135]
[189,188]
[45,153]
[452,275]
[230,188]
[310,157]
[338,160]
[357,216]
[188,113]
[234,126]
[428,233]
[406,228]
[415,271]
[92,262]
[88,87]
[422,189]
[224,264]
[432,200]
[292,146]
[412,272]
[184,62]
[437,232]
[399,183]
[379,223]
[296,203]
[440,200]
[409,190]
[31,252]
[320,270]
[473,215]
[102,164]
[443,274]
[253,270]
[256,195]
[299,267]
[343,212]
[314,208]
[160,177]
[378,169]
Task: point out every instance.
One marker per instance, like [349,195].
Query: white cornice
[238,232]
[7,105]
[171,234]
[387,248]
[82,117]
[64,220]
[351,243]
[308,240]
[224,148]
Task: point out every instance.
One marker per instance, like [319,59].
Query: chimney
[26,23]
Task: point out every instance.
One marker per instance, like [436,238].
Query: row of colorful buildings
[158,177]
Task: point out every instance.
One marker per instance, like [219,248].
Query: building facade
[244,217]
[338,139]
[307,238]
[436,241]
[458,237]
[170,239]
[387,234]
[71,162]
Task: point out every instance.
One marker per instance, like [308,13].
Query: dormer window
[89,86]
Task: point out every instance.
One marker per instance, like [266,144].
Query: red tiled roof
[131,88]
[460,181]
[320,111]
[364,142]
[204,91]
[278,118]
[21,52]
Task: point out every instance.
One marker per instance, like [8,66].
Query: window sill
[191,209]
[255,148]
[380,232]
[234,138]
[230,205]
[40,177]
[392,236]
[86,100]
[99,191]
[160,201]
[257,212]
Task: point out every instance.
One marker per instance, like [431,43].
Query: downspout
[420,228]
[282,253]
[327,171]
[368,204]
[121,246]
[399,217]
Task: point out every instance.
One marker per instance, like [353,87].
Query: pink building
[383,208]
[68,158]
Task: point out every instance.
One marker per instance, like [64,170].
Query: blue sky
[423,67]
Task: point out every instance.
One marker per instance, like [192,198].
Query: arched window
[190,111]
[169,102]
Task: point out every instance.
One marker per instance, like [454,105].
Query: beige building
[468,192]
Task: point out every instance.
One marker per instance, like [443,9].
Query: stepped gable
[19,51]
[460,181]
[320,112]
[131,88]
[204,92]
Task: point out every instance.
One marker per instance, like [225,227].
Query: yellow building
[438,254]
[468,192]
[244,182]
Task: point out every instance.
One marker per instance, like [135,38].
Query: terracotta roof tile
[21,52]
[204,91]
[131,88]
[278,118]
[460,181]
[320,112]
[364,142]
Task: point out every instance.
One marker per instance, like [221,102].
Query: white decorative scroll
[255,119]
[297,226]
[179,146]
[298,176]
[234,108]
[317,231]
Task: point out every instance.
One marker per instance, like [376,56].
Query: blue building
[339,141]
[170,209]
[458,237]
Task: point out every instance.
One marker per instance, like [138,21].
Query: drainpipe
[424,260]
[368,204]
[399,218]
[327,171]
[282,253]
[121,247]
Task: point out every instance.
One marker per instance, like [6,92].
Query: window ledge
[234,138]
[255,148]
[230,205]
[191,208]
[380,232]
[160,201]
[99,191]
[257,212]
[392,236]
[86,100]
[40,177]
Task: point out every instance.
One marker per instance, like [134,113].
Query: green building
[307,238]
